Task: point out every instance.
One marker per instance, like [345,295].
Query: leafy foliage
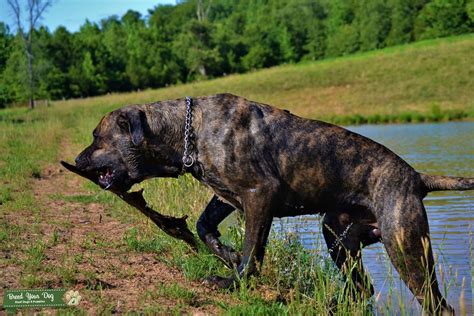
[186,42]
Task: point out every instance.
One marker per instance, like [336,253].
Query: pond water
[439,148]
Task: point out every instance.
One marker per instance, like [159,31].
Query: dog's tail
[440,183]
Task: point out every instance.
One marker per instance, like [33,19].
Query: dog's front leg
[258,221]
[258,207]
[215,212]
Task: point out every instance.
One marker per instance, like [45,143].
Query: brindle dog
[270,163]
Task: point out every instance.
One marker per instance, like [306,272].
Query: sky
[73,13]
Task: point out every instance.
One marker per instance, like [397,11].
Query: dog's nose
[78,161]
[81,161]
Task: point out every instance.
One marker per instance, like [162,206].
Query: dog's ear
[135,121]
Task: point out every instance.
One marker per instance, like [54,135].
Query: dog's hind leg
[345,240]
[215,212]
[406,238]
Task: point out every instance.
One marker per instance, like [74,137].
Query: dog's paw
[233,259]
[218,282]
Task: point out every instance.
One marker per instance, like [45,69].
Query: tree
[197,51]
[442,18]
[373,23]
[470,11]
[15,75]
[90,70]
[202,11]
[402,20]
[342,34]
[6,40]
[114,38]
[35,9]
[61,54]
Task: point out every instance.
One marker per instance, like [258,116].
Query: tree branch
[175,227]
[40,8]
[15,7]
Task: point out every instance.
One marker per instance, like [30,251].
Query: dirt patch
[83,249]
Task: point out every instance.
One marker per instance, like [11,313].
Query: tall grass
[28,140]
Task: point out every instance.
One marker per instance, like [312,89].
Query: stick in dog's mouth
[173,226]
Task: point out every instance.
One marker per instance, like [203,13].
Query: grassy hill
[429,80]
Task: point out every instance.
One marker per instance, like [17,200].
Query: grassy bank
[425,81]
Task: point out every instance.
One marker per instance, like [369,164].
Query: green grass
[175,291]
[427,81]
[139,242]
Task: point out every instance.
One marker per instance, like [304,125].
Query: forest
[196,40]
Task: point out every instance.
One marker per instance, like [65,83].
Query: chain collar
[188,159]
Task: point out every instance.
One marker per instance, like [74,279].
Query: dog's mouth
[106,177]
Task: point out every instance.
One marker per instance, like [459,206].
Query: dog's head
[116,154]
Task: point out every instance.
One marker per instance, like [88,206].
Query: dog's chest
[220,189]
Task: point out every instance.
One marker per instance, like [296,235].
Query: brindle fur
[269,163]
